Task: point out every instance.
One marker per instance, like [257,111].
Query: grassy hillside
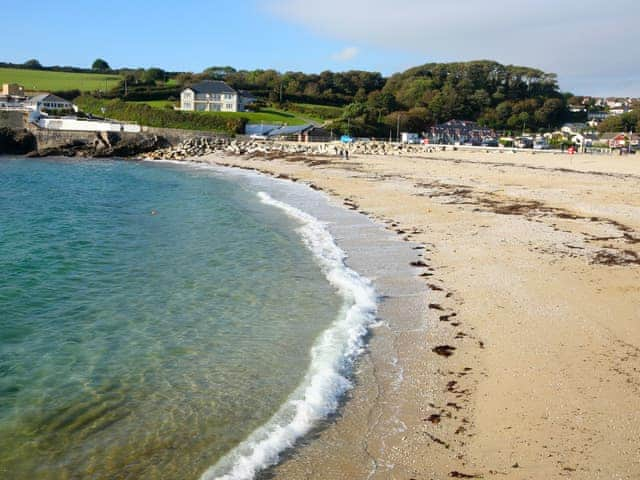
[267,115]
[40,80]
[319,113]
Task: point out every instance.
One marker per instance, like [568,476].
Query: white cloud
[578,39]
[346,54]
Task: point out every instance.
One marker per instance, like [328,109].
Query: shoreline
[371,421]
[523,265]
[379,366]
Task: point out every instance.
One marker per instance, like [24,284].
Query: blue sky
[594,46]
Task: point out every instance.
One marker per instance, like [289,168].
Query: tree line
[498,96]
[503,97]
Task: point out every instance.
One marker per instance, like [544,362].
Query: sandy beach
[523,359]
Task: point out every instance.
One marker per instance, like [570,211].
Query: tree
[100,65]
[550,113]
[33,63]
[621,123]
[218,72]
[152,75]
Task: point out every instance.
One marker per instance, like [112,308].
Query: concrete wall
[12,119]
[174,136]
[86,125]
[51,138]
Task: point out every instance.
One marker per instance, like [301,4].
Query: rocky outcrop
[131,147]
[98,145]
[16,141]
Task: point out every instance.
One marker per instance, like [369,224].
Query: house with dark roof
[48,101]
[213,96]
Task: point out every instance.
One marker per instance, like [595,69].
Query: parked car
[541,145]
[489,142]
[473,142]
[346,139]
[410,138]
[523,142]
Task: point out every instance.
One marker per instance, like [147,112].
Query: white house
[48,101]
[213,96]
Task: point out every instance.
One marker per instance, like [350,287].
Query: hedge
[157,117]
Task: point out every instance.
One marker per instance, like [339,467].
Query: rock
[16,142]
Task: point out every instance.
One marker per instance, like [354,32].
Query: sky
[593,46]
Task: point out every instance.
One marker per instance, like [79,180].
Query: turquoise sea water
[151,317]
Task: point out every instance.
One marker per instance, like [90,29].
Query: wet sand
[520,356]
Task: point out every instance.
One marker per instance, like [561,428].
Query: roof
[46,97]
[259,129]
[277,130]
[211,86]
[292,130]
[246,94]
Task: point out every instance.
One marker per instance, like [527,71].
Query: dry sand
[529,363]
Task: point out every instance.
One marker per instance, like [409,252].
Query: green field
[46,81]
[318,113]
[269,116]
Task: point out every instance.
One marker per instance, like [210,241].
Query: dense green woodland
[498,96]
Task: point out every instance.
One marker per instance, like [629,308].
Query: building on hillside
[597,116]
[48,101]
[245,99]
[12,97]
[12,90]
[459,131]
[573,128]
[213,96]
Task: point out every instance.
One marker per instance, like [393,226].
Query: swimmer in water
[153,212]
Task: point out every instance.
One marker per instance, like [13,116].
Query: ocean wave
[332,358]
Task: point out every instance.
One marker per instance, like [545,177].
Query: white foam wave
[332,357]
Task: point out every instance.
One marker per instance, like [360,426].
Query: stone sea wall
[198,146]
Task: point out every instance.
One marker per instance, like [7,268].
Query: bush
[68,94]
[158,117]
[323,112]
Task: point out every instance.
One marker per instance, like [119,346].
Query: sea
[167,321]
